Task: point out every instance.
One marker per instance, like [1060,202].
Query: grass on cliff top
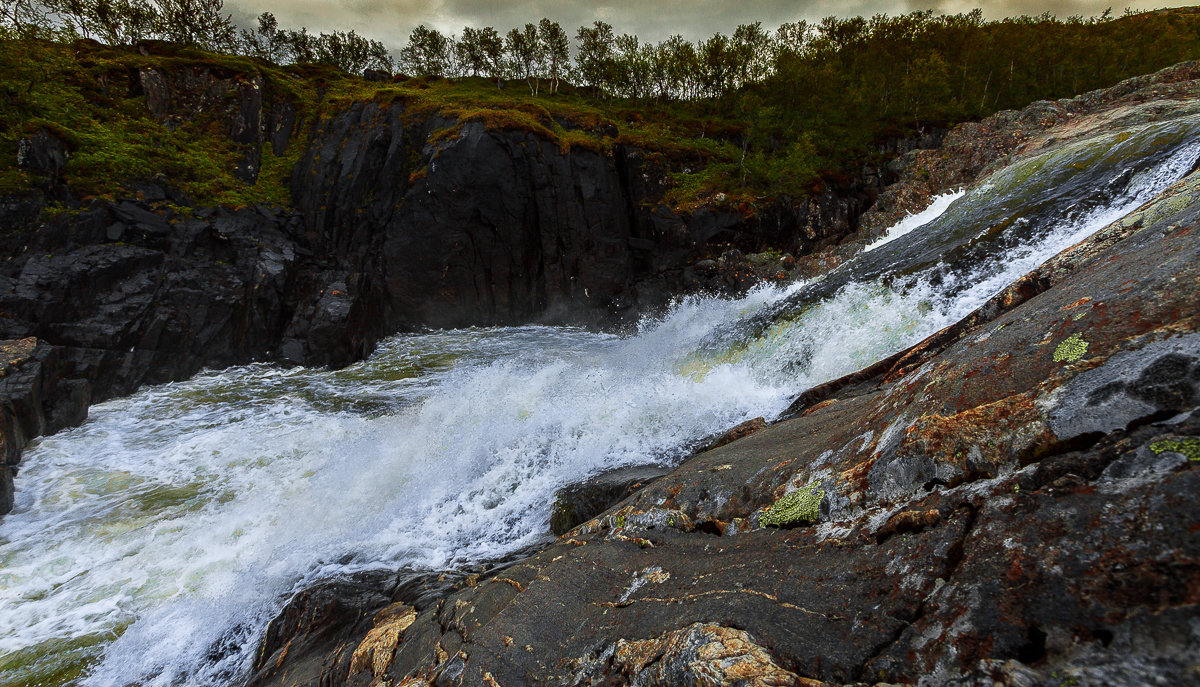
[89,95]
[690,140]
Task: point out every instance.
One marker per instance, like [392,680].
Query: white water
[178,518]
[916,220]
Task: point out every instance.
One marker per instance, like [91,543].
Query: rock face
[133,296]
[37,397]
[453,225]
[1010,502]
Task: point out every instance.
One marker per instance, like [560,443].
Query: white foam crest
[916,220]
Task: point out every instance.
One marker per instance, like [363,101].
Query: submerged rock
[741,431]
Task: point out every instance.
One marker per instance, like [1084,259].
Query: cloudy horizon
[391,21]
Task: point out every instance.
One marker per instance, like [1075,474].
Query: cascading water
[176,520]
[916,220]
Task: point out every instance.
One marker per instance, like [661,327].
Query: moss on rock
[1071,349]
[1188,446]
[800,507]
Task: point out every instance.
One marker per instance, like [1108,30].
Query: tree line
[858,78]
[916,65]
[198,23]
[607,63]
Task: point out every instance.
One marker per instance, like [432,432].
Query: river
[153,543]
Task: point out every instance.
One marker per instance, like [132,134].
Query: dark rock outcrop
[45,156]
[578,503]
[250,112]
[124,295]
[131,296]
[37,396]
[1010,501]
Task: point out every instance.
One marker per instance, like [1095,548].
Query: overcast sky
[391,21]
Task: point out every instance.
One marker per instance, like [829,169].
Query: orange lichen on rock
[981,439]
[703,653]
[15,351]
[909,521]
[375,651]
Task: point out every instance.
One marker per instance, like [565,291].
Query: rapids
[176,521]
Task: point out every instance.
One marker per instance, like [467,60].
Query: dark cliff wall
[481,228]
[502,226]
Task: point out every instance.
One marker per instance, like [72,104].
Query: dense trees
[198,23]
[557,49]
[428,53]
[594,57]
[528,55]
[201,23]
[917,67]
[344,49]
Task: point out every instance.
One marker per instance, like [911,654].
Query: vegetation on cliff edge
[822,102]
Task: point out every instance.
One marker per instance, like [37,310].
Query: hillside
[826,100]
[434,381]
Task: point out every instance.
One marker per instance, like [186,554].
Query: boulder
[45,155]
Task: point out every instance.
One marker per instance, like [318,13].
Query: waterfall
[178,519]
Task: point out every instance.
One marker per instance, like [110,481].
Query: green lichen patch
[1071,349]
[1188,446]
[797,508]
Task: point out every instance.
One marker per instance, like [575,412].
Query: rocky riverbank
[1009,502]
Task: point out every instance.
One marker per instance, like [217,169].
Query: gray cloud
[391,21]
